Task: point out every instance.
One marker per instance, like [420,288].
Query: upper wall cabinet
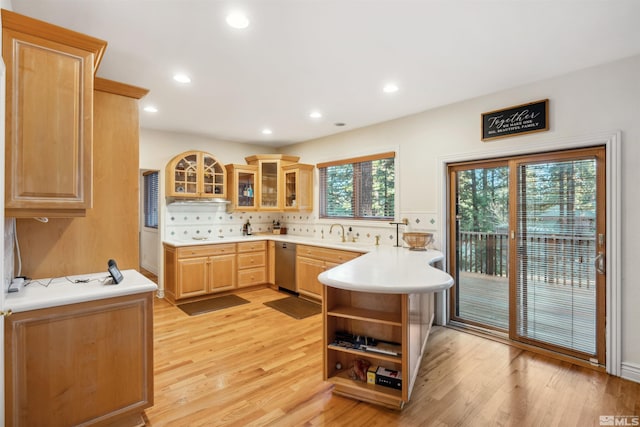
[195,174]
[270,196]
[243,187]
[298,187]
[49,117]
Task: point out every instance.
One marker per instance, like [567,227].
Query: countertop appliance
[286,266]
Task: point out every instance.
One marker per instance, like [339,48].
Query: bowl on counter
[417,241]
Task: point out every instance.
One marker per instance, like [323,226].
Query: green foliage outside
[363,190]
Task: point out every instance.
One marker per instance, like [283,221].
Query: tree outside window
[362,188]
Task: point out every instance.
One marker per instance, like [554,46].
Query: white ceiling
[335,56]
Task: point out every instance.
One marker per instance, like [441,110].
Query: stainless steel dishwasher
[286,266]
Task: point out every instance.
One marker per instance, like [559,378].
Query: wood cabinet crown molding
[118,88]
[284,157]
[26,25]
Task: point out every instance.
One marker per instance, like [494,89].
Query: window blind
[150,183]
[556,229]
[363,188]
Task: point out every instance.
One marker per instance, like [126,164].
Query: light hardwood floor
[252,366]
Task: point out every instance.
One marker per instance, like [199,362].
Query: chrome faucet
[340,225]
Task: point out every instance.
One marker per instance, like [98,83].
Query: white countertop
[302,240]
[390,270]
[45,293]
[382,269]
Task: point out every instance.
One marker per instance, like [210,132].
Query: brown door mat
[212,304]
[295,307]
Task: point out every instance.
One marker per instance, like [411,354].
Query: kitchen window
[150,183]
[360,188]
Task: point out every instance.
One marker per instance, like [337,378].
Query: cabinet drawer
[252,259]
[206,250]
[252,276]
[331,255]
[252,246]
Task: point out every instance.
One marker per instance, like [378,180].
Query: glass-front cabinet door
[185,176]
[212,177]
[243,187]
[290,189]
[195,174]
[269,179]
[270,196]
[298,187]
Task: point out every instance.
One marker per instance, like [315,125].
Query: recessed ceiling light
[237,20]
[182,78]
[315,114]
[390,88]
[267,131]
[150,109]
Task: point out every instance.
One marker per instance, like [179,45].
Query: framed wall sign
[525,118]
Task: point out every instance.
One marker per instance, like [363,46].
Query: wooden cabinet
[222,273]
[192,277]
[298,187]
[307,271]
[80,364]
[195,174]
[270,197]
[242,187]
[49,117]
[196,271]
[107,230]
[313,260]
[404,319]
[252,263]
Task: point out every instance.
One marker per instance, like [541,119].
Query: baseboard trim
[630,371]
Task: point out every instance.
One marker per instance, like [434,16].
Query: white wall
[590,101]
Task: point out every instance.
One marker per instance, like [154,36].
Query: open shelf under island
[387,294]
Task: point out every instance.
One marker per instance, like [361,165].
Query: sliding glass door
[482,245]
[558,290]
[542,218]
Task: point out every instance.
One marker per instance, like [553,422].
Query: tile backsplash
[189,221]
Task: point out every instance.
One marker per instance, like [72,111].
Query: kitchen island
[387,295]
[79,351]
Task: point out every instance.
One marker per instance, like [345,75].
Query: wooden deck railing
[485,253]
[553,259]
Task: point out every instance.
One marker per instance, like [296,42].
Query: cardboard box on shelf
[389,378]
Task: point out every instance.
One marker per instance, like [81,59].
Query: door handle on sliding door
[599,263]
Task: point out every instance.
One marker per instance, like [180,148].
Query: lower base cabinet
[252,263]
[307,271]
[195,271]
[192,272]
[313,260]
[404,319]
[89,363]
